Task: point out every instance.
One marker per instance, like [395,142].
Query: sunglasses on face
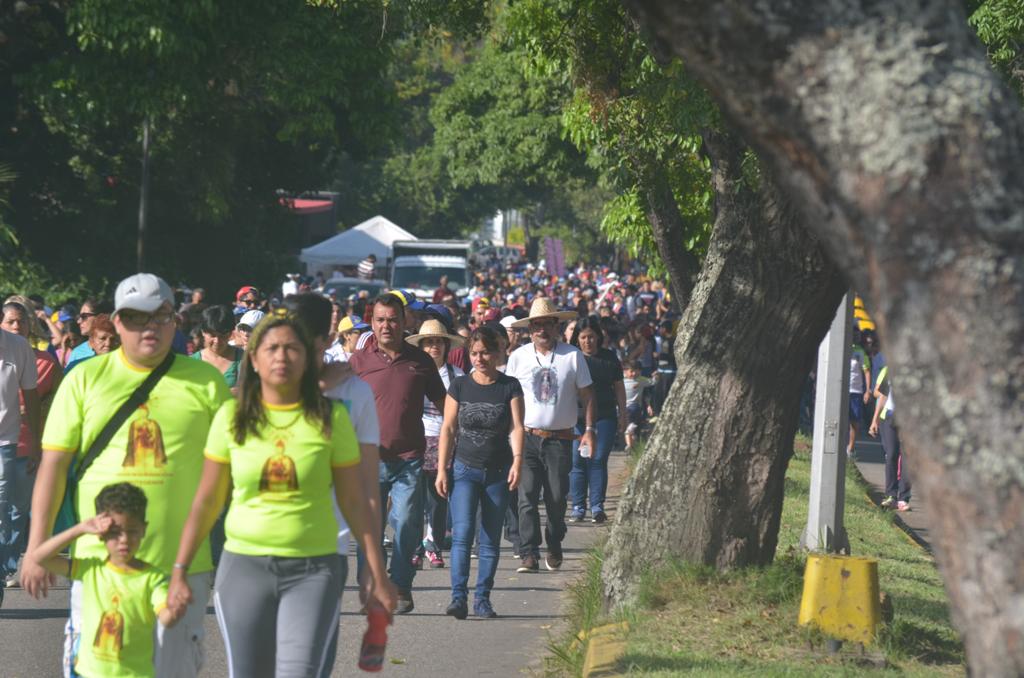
[137,320]
[249,301]
[85,316]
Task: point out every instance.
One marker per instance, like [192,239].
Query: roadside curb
[607,644]
[875,497]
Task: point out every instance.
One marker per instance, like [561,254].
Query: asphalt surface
[423,643]
[871,464]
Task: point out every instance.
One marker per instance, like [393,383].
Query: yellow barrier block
[607,645]
[841,597]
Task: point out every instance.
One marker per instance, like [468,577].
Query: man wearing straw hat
[556,382]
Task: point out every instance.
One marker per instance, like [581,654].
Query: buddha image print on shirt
[145,443]
[278,473]
[545,385]
[109,637]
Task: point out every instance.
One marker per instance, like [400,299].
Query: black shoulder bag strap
[138,397]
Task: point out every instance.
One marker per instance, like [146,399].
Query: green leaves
[631,115]
[1000,26]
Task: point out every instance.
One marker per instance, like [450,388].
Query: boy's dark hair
[312,310]
[217,320]
[122,498]
[629,365]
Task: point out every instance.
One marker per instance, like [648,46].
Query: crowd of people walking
[303,423]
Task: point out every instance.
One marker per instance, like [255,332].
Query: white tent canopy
[350,247]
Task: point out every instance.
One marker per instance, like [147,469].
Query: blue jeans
[488,489]
[15,499]
[592,472]
[401,479]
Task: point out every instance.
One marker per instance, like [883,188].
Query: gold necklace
[297,416]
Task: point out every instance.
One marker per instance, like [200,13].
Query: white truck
[419,264]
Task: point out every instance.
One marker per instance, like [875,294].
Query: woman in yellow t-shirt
[281,449]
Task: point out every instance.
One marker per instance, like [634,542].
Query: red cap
[492,314]
[245,290]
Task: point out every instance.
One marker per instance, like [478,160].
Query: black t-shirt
[485,419]
[605,370]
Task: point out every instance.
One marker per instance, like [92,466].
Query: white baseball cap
[142,292]
[507,321]
[251,318]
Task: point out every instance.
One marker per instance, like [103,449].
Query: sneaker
[516,556]
[436,561]
[457,608]
[599,517]
[553,558]
[851,455]
[903,506]
[417,561]
[529,564]
[576,515]
[405,604]
[482,608]
[12,582]
[888,502]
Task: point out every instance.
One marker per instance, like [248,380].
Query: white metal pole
[825,530]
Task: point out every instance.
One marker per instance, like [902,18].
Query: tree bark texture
[669,230]
[886,126]
[709,487]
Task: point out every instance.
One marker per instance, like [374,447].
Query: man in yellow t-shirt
[159,449]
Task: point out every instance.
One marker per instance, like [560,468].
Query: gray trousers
[546,466]
[278,615]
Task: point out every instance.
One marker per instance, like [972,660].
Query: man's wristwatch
[589,429]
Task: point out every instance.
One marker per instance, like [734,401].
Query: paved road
[423,643]
[871,464]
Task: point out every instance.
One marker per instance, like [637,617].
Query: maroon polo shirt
[399,387]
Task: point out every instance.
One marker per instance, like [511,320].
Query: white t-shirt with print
[17,373]
[432,417]
[550,384]
[357,396]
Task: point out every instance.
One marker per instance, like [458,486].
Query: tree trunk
[669,232]
[709,487]
[884,122]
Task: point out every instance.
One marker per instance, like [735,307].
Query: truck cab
[419,264]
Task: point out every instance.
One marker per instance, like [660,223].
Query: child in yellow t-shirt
[122,597]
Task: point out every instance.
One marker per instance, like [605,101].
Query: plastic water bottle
[371,654]
[585,450]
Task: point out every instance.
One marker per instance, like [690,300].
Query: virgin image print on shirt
[545,385]
[145,442]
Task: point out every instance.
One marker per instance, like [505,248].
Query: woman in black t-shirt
[591,472]
[485,407]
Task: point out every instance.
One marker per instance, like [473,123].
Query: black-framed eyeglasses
[137,320]
[251,301]
[85,316]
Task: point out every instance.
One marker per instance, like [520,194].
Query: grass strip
[692,620]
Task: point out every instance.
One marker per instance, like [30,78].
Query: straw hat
[434,328]
[542,307]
